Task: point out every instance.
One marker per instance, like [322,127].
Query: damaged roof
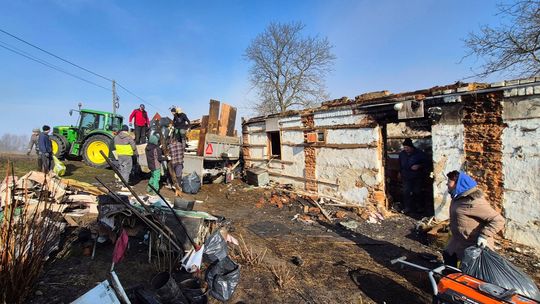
[384,97]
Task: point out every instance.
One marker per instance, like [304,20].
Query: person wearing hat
[472,219]
[45,149]
[412,162]
[33,142]
[177,145]
[125,150]
[181,123]
[154,157]
[140,118]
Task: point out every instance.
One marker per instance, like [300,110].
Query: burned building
[347,148]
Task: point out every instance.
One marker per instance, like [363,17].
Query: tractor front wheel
[90,151]
[59,145]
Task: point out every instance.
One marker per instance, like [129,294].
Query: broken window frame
[272,136]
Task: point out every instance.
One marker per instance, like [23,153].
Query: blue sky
[185,53]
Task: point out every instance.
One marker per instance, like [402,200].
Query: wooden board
[224,119]
[213,117]
[202,135]
[232,121]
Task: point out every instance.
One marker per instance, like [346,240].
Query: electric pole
[115,103]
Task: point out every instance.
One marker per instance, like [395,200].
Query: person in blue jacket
[45,149]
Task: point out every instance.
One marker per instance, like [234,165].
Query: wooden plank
[326,215]
[231,131]
[71,222]
[202,135]
[224,119]
[213,117]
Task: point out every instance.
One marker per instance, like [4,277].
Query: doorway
[393,136]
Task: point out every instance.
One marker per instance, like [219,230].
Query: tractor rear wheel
[90,151]
[59,145]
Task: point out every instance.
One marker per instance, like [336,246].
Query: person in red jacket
[141,124]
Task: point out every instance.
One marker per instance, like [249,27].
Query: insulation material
[448,155]
[521,165]
[337,117]
[353,136]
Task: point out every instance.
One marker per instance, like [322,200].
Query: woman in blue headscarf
[472,219]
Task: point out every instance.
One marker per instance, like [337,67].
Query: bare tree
[288,69]
[512,48]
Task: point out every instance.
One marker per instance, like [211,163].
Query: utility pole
[114,99]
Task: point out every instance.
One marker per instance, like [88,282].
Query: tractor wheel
[59,146]
[91,148]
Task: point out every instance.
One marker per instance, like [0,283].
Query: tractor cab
[96,120]
[93,133]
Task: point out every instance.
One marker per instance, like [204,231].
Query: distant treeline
[14,143]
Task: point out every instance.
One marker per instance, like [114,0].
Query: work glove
[131,125]
[169,158]
[482,242]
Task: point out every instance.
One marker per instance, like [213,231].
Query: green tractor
[93,133]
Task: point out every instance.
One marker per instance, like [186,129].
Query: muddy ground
[326,262]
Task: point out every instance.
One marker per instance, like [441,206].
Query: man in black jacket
[181,123]
[45,149]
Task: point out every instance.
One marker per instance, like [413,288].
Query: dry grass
[246,255]
[26,239]
[282,275]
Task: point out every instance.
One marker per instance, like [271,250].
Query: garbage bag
[59,168]
[191,183]
[222,278]
[485,264]
[215,248]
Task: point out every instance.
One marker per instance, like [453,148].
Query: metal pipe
[197,247]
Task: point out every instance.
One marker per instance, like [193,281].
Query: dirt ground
[326,263]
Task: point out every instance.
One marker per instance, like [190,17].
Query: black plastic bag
[215,248]
[222,278]
[191,183]
[487,265]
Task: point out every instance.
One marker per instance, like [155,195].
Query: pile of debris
[36,208]
[313,207]
[30,229]
[180,242]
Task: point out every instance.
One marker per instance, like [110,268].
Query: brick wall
[310,156]
[483,123]
[245,148]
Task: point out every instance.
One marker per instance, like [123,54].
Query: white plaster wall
[352,136]
[293,137]
[336,117]
[295,155]
[287,180]
[353,171]
[521,169]
[256,152]
[448,155]
[290,122]
[347,158]
[258,139]
[260,126]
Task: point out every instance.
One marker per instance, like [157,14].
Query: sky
[185,53]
